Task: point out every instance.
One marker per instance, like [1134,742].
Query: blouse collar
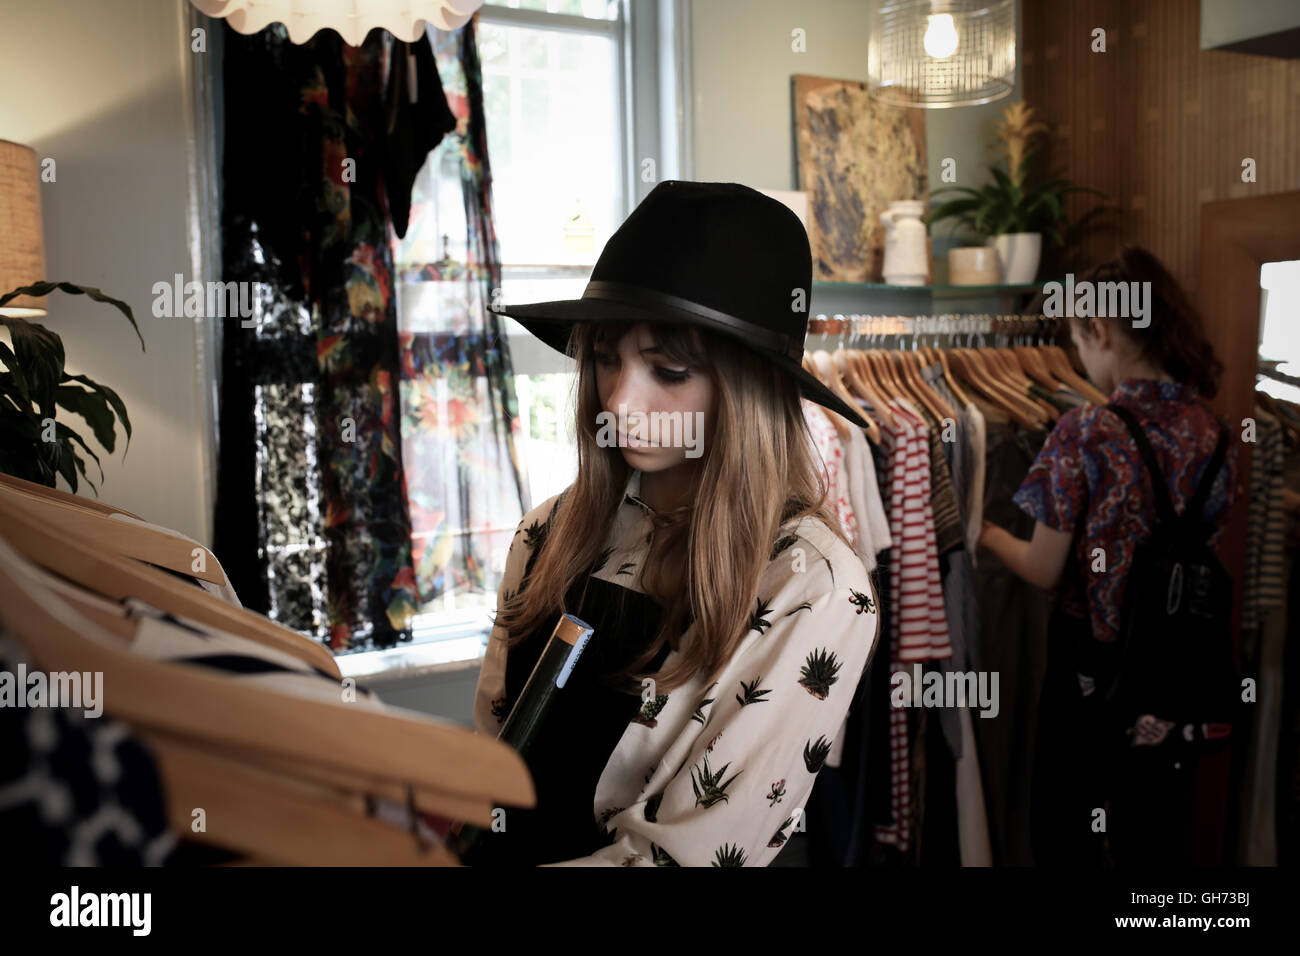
[1151,390]
[632,493]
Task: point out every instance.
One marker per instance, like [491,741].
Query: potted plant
[1010,213]
[34,384]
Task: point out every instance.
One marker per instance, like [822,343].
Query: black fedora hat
[720,256]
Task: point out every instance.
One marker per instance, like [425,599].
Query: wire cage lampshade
[941,53]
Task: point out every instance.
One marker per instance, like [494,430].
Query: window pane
[592,9]
[551,99]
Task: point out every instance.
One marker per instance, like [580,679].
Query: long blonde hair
[705,559]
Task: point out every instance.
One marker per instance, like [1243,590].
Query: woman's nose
[628,390]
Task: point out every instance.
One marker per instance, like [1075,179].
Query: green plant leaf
[94,408]
[68,436]
[954,209]
[65,464]
[15,371]
[39,353]
[113,399]
[45,288]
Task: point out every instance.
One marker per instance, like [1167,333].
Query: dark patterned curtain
[312,520]
[466,487]
[323,400]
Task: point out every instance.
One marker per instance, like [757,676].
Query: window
[554,99]
[563,82]
[1279,334]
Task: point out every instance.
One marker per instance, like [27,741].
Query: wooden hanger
[122,537]
[932,355]
[54,494]
[968,366]
[841,363]
[985,375]
[112,618]
[951,379]
[839,424]
[119,578]
[396,746]
[1017,375]
[1059,362]
[1032,364]
[933,401]
[1010,383]
[876,394]
[828,374]
[282,821]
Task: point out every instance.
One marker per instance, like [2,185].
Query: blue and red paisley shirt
[1090,469]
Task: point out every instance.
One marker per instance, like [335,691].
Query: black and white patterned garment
[75,791]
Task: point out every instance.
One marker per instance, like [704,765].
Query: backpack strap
[1211,473]
[1164,504]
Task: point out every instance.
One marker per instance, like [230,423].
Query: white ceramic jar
[906,259]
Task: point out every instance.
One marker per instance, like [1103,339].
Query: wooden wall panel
[1155,122]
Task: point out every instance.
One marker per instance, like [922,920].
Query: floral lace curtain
[331,419]
[460,426]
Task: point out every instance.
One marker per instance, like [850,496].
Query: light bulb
[940,36]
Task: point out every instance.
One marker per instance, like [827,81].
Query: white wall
[742,62]
[99,86]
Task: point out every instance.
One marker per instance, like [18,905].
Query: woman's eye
[673,376]
[603,358]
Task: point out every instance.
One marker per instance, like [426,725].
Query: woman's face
[654,409]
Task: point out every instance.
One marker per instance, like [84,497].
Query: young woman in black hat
[1092,499]
[732,618]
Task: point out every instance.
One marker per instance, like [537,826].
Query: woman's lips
[626,441]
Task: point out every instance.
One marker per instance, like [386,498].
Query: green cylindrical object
[549,675]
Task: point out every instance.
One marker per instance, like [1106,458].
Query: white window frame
[653,60]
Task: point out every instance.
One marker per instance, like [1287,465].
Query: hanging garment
[920,629]
[1262,588]
[830,450]
[937,644]
[701,775]
[957,568]
[417,118]
[976,457]
[76,790]
[1013,615]
[955,451]
[864,495]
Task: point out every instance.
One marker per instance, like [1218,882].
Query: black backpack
[1177,688]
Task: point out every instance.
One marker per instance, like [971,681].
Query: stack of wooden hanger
[1001,376]
[283,779]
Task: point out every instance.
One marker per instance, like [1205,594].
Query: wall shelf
[937,290]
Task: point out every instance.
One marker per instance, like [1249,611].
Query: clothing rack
[1006,329]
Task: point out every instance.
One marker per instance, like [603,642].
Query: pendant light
[941,53]
[351,19]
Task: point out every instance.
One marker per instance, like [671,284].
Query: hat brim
[552,322]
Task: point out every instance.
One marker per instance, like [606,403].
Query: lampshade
[941,53]
[22,243]
[352,19]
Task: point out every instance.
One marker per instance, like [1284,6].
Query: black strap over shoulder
[1164,504]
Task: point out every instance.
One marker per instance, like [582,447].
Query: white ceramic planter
[1019,253]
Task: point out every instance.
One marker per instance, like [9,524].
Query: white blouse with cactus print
[719,775]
